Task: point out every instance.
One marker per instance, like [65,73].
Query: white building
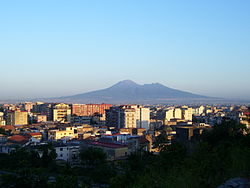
[2,121]
[143,120]
[62,113]
[178,113]
[201,109]
[68,152]
[183,113]
[169,114]
[128,116]
[187,114]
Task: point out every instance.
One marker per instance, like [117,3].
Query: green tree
[48,155]
[93,156]
[161,141]
[2,131]
[65,181]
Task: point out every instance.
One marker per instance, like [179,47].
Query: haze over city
[60,48]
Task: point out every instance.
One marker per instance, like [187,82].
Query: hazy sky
[57,48]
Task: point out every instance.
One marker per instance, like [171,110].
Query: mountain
[128,91]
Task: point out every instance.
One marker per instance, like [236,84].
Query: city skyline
[60,48]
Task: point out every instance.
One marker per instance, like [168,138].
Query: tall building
[143,118]
[44,109]
[169,114]
[182,113]
[89,109]
[2,120]
[201,109]
[113,117]
[178,113]
[142,115]
[128,116]
[61,112]
[17,117]
[187,114]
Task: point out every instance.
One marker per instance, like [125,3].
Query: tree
[49,154]
[65,181]
[228,132]
[2,131]
[1,109]
[93,156]
[161,141]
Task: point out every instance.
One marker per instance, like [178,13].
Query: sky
[55,48]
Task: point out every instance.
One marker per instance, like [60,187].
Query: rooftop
[108,145]
[35,134]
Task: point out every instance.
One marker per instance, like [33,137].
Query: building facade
[181,113]
[68,152]
[89,109]
[2,120]
[67,133]
[128,116]
[17,117]
[61,113]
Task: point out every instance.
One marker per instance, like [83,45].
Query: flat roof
[108,145]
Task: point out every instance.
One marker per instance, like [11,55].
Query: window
[61,149]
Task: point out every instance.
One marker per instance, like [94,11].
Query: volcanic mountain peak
[127,91]
[126,83]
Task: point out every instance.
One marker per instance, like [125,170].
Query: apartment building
[61,113]
[68,132]
[180,113]
[17,117]
[89,109]
[2,120]
[169,114]
[128,116]
[68,152]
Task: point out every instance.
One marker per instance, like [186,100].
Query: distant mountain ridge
[127,91]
